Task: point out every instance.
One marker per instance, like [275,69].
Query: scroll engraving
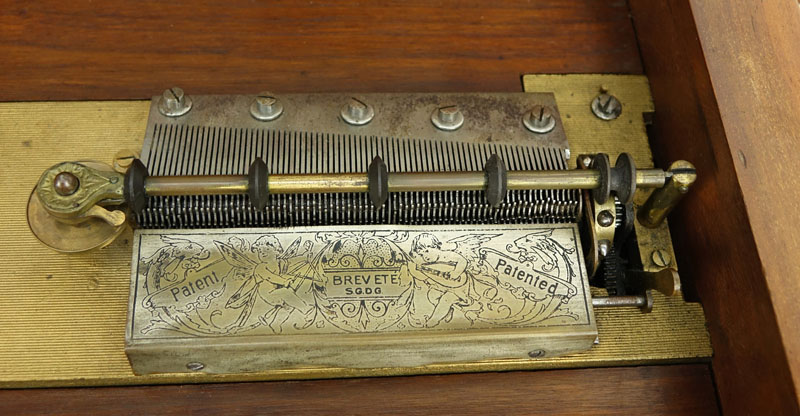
[361,280]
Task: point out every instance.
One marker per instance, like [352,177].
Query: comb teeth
[193,150]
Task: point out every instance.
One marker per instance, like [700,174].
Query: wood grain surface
[726,85]
[82,50]
[655,390]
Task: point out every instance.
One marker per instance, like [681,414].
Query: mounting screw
[602,247]
[661,258]
[447,118]
[123,159]
[195,366]
[266,107]
[357,112]
[586,160]
[606,107]
[536,353]
[605,218]
[174,103]
[539,120]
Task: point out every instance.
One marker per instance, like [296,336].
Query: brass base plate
[62,317]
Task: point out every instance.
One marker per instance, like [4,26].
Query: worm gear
[613,272]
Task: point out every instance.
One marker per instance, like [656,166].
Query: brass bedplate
[674,331]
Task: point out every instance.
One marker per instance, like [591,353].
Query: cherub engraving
[272,280]
[450,271]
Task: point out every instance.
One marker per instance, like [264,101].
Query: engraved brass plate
[361,297]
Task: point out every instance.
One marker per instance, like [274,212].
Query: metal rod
[196,185]
[317,183]
[553,179]
[397,182]
[441,181]
[651,178]
[617,301]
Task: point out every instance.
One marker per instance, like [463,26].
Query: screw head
[602,247]
[605,218]
[539,120]
[195,366]
[266,107]
[586,160]
[357,113]
[447,118]
[174,103]
[123,159]
[661,258]
[606,107]
[536,353]
[66,183]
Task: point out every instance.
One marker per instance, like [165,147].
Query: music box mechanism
[365,231]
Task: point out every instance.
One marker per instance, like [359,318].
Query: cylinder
[553,179]
[441,181]
[650,178]
[639,301]
[397,182]
[196,185]
[317,183]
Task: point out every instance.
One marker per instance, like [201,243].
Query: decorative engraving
[361,280]
[94,185]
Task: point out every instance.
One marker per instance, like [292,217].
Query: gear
[613,269]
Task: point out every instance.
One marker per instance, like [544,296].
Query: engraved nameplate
[361,296]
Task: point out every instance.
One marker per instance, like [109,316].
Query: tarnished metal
[447,118]
[606,107]
[355,296]
[95,183]
[644,302]
[79,228]
[663,200]
[488,117]
[174,103]
[674,332]
[266,107]
[357,112]
[539,120]
[666,281]
[300,163]
[196,185]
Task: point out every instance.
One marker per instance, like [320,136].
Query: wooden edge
[721,265]
[652,390]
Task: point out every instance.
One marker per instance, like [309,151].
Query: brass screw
[661,258]
[123,159]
